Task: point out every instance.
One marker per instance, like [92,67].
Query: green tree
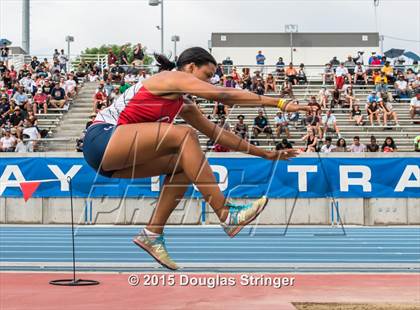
[103,49]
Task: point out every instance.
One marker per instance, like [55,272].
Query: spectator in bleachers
[287,89]
[312,102]
[261,125]
[388,70]
[282,124]
[230,82]
[28,84]
[356,115]
[301,75]
[130,78]
[138,55]
[388,112]
[220,110]
[375,60]
[35,63]
[4,54]
[341,146]
[40,102]
[349,97]
[284,144]
[291,74]
[108,87]
[280,67]
[124,86]
[114,94]
[311,140]
[112,58]
[334,62]
[381,82]
[349,64]
[357,147]
[313,121]
[92,76]
[270,83]
[324,97]
[246,79]
[235,75]
[241,129]
[58,97]
[31,130]
[360,73]
[410,76]
[373,111]
[389,145]
[258,86]
[415,105]
[417,144]
[401,88]
[91,119]
[7,142]
[70,86]
[372,146]
[100,98]
[329,124]
[328,147]
[123,58]
[341,73]
[21,98]
[24,146]
[336,98]
[16,120]
[260,58]
[142,75]
[55,67]
[328,74]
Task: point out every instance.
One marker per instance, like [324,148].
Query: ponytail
[164,63]
[196,55]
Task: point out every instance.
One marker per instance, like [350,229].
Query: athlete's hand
[281,154]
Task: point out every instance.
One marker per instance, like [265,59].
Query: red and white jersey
[138,105]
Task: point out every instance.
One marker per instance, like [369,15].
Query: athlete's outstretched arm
[196,119]
[186,83]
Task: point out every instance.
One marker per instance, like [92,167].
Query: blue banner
[237,177]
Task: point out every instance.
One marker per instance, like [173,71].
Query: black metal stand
[74,281]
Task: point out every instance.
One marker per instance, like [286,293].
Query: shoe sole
[141,245]
[239,228]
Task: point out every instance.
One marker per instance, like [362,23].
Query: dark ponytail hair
[197,55]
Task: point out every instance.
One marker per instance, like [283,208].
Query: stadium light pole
[291,28]
[156,3]
[175,39]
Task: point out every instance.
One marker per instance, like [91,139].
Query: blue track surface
[207,248]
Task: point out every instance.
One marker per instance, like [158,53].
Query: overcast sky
[96,22]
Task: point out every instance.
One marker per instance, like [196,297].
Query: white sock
[227,221]
[150,234]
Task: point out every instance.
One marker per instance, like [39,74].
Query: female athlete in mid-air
[135,138]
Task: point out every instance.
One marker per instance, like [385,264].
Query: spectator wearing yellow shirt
[381,83]
[389,71]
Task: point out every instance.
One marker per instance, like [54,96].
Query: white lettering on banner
[155,184]
[5,177]
[64,185]
[363,181]
[223,177]
[302,175]
[405,178]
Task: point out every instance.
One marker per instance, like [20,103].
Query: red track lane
[32,291]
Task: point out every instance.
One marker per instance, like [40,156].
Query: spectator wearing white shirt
[28,84]
[143,76]
[328,147]
[415,105]
[360,73]
[357,147]
[401,87]
[341,73]
[324,97]
[282,124]
[329,124]
[7,142]
[70,86]
[24,146]
[389,113]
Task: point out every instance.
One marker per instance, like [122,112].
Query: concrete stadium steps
[74,121]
